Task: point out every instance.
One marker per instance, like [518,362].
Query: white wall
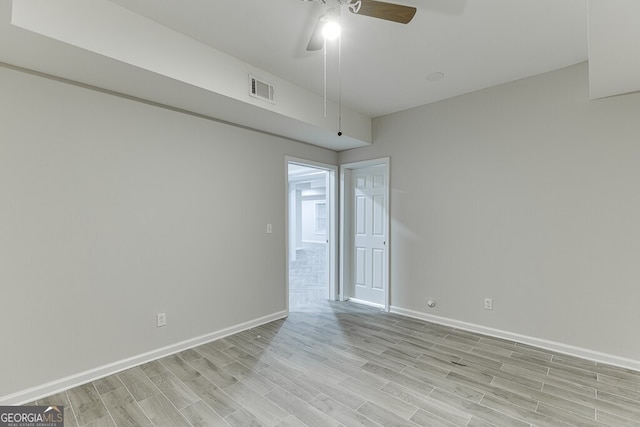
[527,193]
[114,210]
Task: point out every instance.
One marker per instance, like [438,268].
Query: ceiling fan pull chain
[340,84]
[325,78]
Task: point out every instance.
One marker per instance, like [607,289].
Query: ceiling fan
[373,8]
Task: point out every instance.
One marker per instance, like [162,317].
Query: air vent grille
[261,89]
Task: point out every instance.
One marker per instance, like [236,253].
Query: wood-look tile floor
[344,364]
[308,276]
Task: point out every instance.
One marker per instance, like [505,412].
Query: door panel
[361,216]
[378,216]
[369,240]
[378,269]
[361,266]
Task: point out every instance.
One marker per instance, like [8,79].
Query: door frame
[332,224]
[346,232]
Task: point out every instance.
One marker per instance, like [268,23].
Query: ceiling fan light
[331,30]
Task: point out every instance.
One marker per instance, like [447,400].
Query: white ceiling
[475,43]
[195,55]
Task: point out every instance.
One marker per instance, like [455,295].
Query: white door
[369,235]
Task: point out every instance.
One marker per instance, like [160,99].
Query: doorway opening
[311,236]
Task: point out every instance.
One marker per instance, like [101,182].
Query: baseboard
[53,387]
[570,350]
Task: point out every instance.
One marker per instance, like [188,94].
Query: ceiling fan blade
[387,11]
[316,42]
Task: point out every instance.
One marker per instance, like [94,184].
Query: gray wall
[528,193]
[114,210]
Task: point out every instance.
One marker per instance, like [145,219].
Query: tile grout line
[165,396]
[73,412]
[203,376]
[104,404]
[134,399]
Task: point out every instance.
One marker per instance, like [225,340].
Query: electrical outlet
[269,228]
[488,304]
[161,319]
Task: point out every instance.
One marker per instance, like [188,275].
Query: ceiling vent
[261,89]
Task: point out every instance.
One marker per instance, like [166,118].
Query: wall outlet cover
[161,319]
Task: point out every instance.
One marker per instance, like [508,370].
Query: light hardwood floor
[344,364]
